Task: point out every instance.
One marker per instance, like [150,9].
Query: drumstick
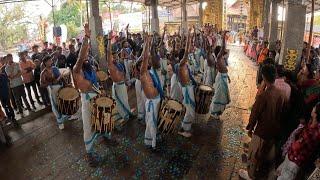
[71,77]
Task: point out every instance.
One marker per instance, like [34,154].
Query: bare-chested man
[51,79]
[119,89]
[85,80]
[141,98]
[154,93]
[210,65]
[221,97]
[187,83]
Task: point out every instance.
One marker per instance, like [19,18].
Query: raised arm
[127,31]
[186,49]
[83,55]
[162,37]
[145,52]
[109,50]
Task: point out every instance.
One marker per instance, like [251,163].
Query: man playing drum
[86,81]
[187,82]
[119,89]
[52,79]
[153,92]
[221,97]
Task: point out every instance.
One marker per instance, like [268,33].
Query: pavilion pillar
[184,22]
[96,39]
[200,12]
[155,18]
[292,42]
[266,24]
[273,30]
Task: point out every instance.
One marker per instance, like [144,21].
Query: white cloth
[202,64]
[288,170]
[209,77]
[175,90]
[221,96]
[189,103]
[127,65]
[141,100]
[53,95]
[152,109]
[164,70]
[89,135]
[120,95]
[197,56]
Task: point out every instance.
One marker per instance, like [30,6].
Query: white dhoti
[164,71]
[288,170]
[53,95]
[202,64]
[127,65]
[197,56]
[89,134]
[189,103]
[152,109]
[209,77]
[175,90]
[141,100]
[120,95]
[221,96]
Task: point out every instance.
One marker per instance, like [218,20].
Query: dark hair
[269,72]
[217,50]
[46,59]
[268,61]
[9,55]
[280,71]
[311,73]
[317,106]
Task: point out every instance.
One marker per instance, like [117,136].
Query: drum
[203,99]
[315,174]
[66,75]
[102,78]
[101,113]
[68,100]
[171,114]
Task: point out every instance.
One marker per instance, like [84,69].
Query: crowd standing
[284,124]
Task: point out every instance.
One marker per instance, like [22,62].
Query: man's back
[267,113]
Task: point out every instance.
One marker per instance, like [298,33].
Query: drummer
[127,56]
[175,88]
[85,80]
[119,89]
[221,97]
[52,79]
[141,98]
[210,68]
[187,82]
[153,91]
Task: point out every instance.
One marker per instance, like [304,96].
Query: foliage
[13,27]
[70,15]
[317,20]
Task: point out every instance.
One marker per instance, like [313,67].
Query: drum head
[64,71]
[205,88]
[102,76]
[104,102]
[174,105]
[68,93]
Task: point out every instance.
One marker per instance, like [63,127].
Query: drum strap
[120,67]
[151,108]
[156,82]
[91,76]
[55,71]
[187,99]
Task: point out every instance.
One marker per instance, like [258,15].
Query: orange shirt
[27,70]
[263,55]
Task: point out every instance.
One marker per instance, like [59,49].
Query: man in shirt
[5,98]
[72,57]
[281,84]
[266,125]
[59,59]
[13,72]
[27,67]
[36,54]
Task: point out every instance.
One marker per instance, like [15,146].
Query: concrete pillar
[155,18]
[96,39]
[273,30]
[266,13]
[292,42]
[200,12]
[184,16]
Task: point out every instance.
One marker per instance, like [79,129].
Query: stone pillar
[273,30]
[292,42]
[266,13]
[200,12]
[184,23]
[155,18]
[96,39]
